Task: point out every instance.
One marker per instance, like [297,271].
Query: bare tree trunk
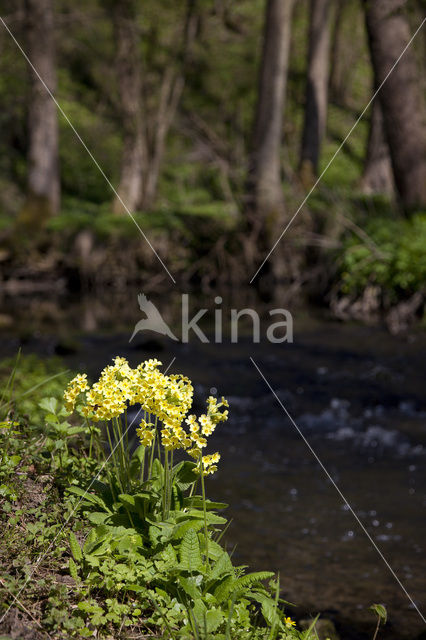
[316,90]
[402,106]
[377,175]
[133,161]
[337,84]
[171,91]
[43,154]
[266,202]
[172,86]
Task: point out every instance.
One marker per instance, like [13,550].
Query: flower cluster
[75,387]
[209,463]
[164,399]
[200,429]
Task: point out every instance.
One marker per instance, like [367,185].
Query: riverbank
[373,271]
[38,517]
[115,542]
[356,393]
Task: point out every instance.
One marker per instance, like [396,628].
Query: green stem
[121,454]
[169,505]
[141,478]
[377,629]
[166,482]
[113,457]
[193,488]
[90,428]
[151,460]
[203,491]
[126,435]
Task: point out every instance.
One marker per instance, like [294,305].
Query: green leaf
[136,462]
[222,567]
[75,547]
[49,404]
[89,497]
[177,498]
[168,555]
[129,502]
[97,517]
[251,578]
[231,585]
[180,530]
[196,502]
[269,611]
[380,610]
[190,555]
[207,621]
[223,590]
[129,543]
[190,587]
[199,611]
[135,587]
[215,550]
[211,518]
[184,474]
[73,569]
[51,418]
[214,619]
[72,431]
[98,548]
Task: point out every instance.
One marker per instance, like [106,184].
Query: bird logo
[153,321]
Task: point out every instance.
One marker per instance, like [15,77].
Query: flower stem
[203,491]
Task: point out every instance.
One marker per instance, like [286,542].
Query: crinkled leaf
[73,569]
[181,529]
[222,567]
[97,517]
[214,618]
[190,587]
[75,547]
[190,555]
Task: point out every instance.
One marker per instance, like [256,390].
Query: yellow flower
[146,434]
[209,463]
[167,399]
[289,622]
[76,386]
[207,425]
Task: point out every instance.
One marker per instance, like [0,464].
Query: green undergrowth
[33,378]
[391,256]
[78,215]
[117,547]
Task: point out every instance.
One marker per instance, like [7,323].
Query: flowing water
[357,396]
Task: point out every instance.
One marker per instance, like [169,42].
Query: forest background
[215,123]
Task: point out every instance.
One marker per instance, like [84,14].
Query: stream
[355,395]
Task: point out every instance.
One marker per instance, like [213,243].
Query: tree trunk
[43,154]
[401,102]
[133,159]
[377,175]
[172,86]
[266,202]
[316,90]
[338,84]
[171,91]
